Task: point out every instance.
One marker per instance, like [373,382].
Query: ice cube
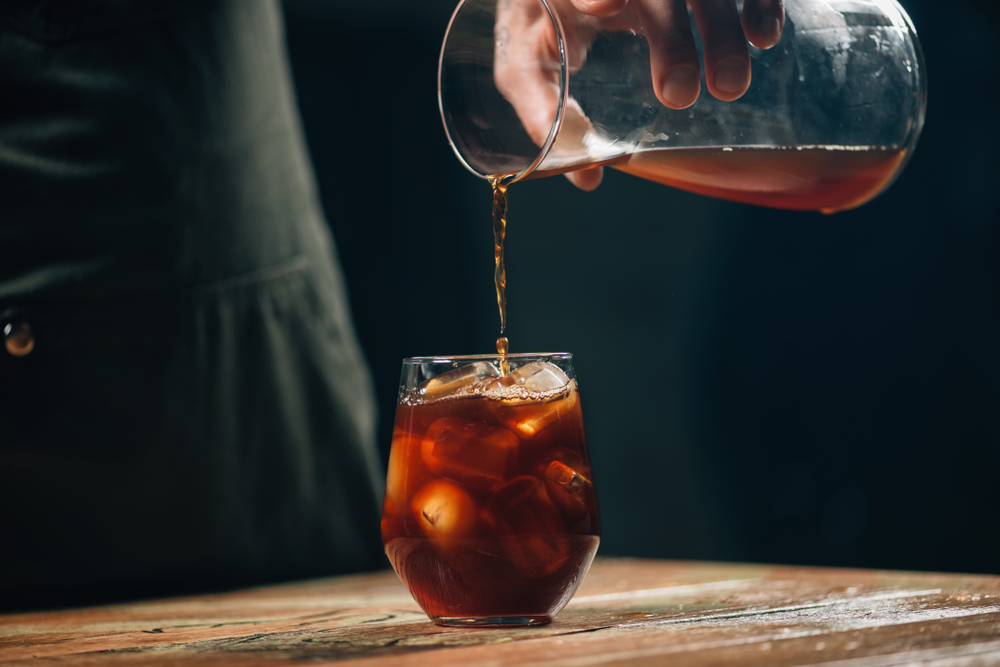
[567,480]
[538,376]
[444,510]
[530,527]
[527,421]
[454,381]
[530,397]
[405,472]
[472,453]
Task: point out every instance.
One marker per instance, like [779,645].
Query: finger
[586,179]
[575,132]
[528,78]
[672,55]
[600,8]
[526,72]
[727,58]
[763,21]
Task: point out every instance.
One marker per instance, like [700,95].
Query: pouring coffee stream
[500,275]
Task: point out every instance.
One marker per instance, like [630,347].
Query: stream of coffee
[499,274]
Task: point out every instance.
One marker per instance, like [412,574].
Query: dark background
[758,385]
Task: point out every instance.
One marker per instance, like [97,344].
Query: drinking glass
[832,114]
[490,514]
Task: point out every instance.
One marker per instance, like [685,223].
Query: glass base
[490,621]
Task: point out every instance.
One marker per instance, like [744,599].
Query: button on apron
[18,339]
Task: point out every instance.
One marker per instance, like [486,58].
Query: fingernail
[731,76]
[680,87]
[768,26]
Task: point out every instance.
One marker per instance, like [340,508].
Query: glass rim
[560,103]
[447,359]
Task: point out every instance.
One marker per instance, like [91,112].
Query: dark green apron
[195,412]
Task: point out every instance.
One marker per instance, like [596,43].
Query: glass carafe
[833,112]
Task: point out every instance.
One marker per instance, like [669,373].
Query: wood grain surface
[627,612]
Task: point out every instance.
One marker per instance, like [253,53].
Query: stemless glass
[490,514]
[530,88]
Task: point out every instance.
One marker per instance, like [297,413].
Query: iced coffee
[490,513]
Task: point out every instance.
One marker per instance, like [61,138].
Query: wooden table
[628,612]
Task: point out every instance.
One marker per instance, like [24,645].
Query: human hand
[526,68]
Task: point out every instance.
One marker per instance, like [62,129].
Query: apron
[183,402]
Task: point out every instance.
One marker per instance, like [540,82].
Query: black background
[758,385]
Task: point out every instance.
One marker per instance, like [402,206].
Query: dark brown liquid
[813,178]
[499,231]
[502,346]
[490,508]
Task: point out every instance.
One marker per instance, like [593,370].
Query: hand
[526,67]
